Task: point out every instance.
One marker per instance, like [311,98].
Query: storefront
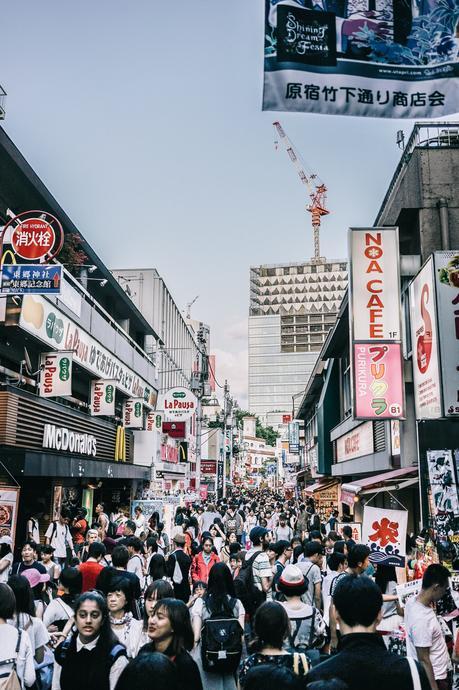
[326,495]
[61,456]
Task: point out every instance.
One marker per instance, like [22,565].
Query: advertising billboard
[102,398]
[447,293]
[55,374]
[378,381]
[178,404]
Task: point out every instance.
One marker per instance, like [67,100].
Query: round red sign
[33,239]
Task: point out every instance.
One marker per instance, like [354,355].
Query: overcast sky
[144,120]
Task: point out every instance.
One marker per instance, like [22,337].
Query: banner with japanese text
[384,531]
[371,58]
[55,374]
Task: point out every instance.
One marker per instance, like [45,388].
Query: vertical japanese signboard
[424,344]
[447,293]
[377,372]
[55,374]
[103,398]
[133,413]
[371,59]
[384,531]
[294,437]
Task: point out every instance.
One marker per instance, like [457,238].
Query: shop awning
[387,481]
[320,486]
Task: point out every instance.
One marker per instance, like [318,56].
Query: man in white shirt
[58,535]
[283,532]
[311,566]
[261,567]
[135,563]
[424,637]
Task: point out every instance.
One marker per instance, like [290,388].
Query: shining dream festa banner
[384,531]
[376,58]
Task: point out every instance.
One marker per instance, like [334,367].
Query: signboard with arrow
[31,279]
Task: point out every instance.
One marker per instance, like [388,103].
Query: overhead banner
[375,283]
[133,413]
[178,404]
[55,374]
[424,344]
[384,531]
[103,398]
[378,377]
[370,58]
[447,290]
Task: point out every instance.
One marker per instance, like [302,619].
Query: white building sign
[375,284]
[61,438]
[447,289]
[55,374]
[424,344]
[43,320]
[178,404]
[133,413]
[356,443]
[103,398]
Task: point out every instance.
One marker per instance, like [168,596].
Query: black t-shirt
[19,567]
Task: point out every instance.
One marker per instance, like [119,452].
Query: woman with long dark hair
[92,656]
[170,633]
[157,568]
[120,601]
[219,601]
[24,616]
[157,590]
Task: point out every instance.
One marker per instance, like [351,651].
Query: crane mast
[317,192]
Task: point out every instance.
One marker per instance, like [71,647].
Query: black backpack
[221,641]
[244,586]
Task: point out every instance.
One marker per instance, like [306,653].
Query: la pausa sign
[178,404]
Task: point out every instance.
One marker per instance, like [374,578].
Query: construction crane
[317,191]
[188,307]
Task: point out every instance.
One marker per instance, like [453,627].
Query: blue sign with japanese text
[31,279]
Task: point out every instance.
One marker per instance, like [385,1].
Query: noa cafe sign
[61,438]
[178,404]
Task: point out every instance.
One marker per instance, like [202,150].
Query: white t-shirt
[423,630]
[59,534]
[135,566]
[6,573]
[260,566]
[311,571]
[24,666]
[57,610]
[35,629]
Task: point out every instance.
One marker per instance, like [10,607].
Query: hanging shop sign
[32,279]
[133,413]
[367,59]
[154,421]
[395,438]
[424,344]
[294,437]
[9,503]
[55,374]
[447,293]
[384,531]
[61,438]
[378,381]
[103,398]
[178,404]
[220,478]
[443,484]
[356,443]
[209,467]
[375,284]
[50,325]
[175,429]
[35,236]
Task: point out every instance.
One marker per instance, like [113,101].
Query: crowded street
[229,345]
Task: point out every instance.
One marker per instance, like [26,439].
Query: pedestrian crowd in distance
[241,593]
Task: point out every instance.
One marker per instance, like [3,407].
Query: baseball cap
[35,577]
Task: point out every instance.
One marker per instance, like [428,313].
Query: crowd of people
[241,593]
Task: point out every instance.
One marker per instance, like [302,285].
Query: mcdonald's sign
[183,451]
[120,444]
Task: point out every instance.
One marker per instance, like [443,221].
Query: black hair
[122,584]
[347,531]
[219,587]
[71,579]
[152,543]
[7,601]
[339,546]
[358,600]
[47,548]
[96,550]
[23,594]
[157,567]
[384,575]
[5,549]
[435,574]
[120,556]
[297,552]
[66,513]
[135,543]
[335,560]
[31,543]
[179,616]
[279,677]
[199,583]
[207,537]
[311,548]
[271,626]
[163,590]
[333,536]
[358,554]
[280,546]
[131,525]
[149,670]
[315,534]
[329,684]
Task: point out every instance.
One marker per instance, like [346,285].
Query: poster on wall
[384,531]
[424,343]
[447,292]
[444,490]
[370,59]
[9,501]
[55,374]
[148,508]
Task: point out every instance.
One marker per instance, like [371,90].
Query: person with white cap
[6,558]
[307,627]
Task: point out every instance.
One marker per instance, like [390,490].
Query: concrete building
[292,308]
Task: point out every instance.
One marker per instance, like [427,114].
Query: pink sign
[203,490]
[378,381]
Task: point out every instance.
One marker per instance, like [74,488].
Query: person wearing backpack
[16,656]
[59,536]
[307,627]
[218,625]
[255,577]
[178,569]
